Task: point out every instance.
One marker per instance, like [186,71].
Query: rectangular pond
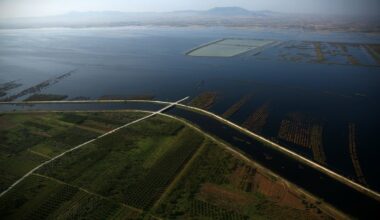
[228,47]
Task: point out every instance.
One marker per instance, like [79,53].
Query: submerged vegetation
[6,87]
[325,53]
[37,88]
[354,154]
[295,131]
[204,100]
[374,50]
[46,97]
[258,118]
[237,106]
[300,130]
[294,51]
[121,97]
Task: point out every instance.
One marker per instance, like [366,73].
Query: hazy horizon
[40,8]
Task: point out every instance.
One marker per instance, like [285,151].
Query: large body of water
[151,61]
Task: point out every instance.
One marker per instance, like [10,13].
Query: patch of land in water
[337,53]
[352,136]
[236,106]
[302,131]
[204,100]
[5,87]
[37,88]
[79,98]
[46,97]
[374,50]
[122,97]
[257,120]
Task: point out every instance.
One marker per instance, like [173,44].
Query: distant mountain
[124,16]
[229,11]
[219,16]
[225,12]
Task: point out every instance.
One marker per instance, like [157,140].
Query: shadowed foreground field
[158,168]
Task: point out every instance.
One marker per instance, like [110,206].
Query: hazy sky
[29,8]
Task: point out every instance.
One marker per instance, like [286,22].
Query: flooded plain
[315,93]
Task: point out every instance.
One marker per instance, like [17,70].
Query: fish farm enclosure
[295,51]
[229,47]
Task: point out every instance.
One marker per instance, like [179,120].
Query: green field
[157,168]
[27,140]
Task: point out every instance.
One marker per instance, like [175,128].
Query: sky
[37,8]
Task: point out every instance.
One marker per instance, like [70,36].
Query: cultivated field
[27,140]
[157,168]
[217,185]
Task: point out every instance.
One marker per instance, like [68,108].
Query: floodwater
[137,61]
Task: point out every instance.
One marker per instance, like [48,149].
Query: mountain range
[219,16]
